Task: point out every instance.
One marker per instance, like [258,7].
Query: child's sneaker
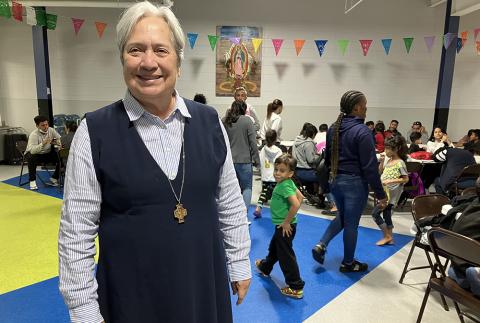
[354,267]
[53,182]
[258,262]
[33,185]
[318,253]
[293,293]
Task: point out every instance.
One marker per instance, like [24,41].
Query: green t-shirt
[279,204]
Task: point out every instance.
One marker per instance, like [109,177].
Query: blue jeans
[350,193]
[471,279]
[307,175]
[244,175]
[387,216]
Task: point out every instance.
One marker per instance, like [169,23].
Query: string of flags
[39,17]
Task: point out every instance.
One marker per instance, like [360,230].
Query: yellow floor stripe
[29,224]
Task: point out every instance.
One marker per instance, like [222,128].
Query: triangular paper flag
[235,40]
[256,42]
[41,15]
[298,45]
[475,33]
[17,11]
[447,39]
[459,44]
[365,43]
[77,24]
[464,34]
[212,39]
[478,47]
[321,43]
[31,16]
[408,43]
[192,38]
[277,44]
[429,40]
[5,9]
[387,43]
[100,28]
[51,21]
[342,45]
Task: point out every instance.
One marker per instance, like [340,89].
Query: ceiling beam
[466,10]
[79,4]
[434,3]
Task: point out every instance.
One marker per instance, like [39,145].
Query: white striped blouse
[82,200]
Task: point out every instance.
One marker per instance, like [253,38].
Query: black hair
[40,119]
[398,144]
[396,121]
[237,109]
[270,137]
[200,98]
[287,160]
[273,106]
[476,132]
[414,136]
[323,127]
[432,138]
[380,127]
[347,103]
[71,126]
[370,123]
[308,130]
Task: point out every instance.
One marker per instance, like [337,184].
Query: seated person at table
[40,149]
[416,141]
[438,139]
[392,129]
[473,138]
[417,127]
[321,137]
[70,128]
[454,161]
[379,137]
[468,224]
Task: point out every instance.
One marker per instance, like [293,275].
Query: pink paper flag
[299,45]
[429,40]
[277,44]
[475,32]
[365,43]
[100,28]
[77,24]
[235,40]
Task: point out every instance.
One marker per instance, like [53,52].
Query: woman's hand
[286,229]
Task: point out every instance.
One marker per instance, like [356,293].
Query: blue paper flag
[321,46]
[192,38]
[386,44]
[459,44]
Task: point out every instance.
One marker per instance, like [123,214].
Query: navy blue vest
[152,269]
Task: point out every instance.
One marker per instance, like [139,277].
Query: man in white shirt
[40,150]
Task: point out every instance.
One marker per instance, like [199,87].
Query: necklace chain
[179,197]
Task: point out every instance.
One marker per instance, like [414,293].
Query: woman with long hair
[350,155]
[242,136]
[273,120]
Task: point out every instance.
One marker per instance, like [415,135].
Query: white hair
[135,13]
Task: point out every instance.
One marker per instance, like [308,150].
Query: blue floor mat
[42,188]
[42,302]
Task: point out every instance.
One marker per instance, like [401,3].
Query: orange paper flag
[299,45]
[100,28]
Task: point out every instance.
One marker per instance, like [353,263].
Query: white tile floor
[378,297]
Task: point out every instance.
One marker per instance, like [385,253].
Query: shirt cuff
[240,270]
[86,313]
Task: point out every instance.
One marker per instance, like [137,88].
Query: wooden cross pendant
[180,213]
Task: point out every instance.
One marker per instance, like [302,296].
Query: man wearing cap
[417,127]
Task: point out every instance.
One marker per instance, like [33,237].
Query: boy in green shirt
[284,205]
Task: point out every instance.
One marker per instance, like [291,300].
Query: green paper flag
[342,45]
[213,41]
[408,43]
[5,9]
[51,21]
[41,17]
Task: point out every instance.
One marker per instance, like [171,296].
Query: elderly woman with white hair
[152,176]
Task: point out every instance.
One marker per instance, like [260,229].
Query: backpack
[414,179]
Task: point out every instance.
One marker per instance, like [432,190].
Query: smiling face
[282,172]
[437,134]
[240,95]
[150,67]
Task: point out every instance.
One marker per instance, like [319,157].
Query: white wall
[86,72]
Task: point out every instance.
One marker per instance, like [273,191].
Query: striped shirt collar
[135,110]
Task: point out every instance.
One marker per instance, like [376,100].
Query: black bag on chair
[323,173]
[12,155]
